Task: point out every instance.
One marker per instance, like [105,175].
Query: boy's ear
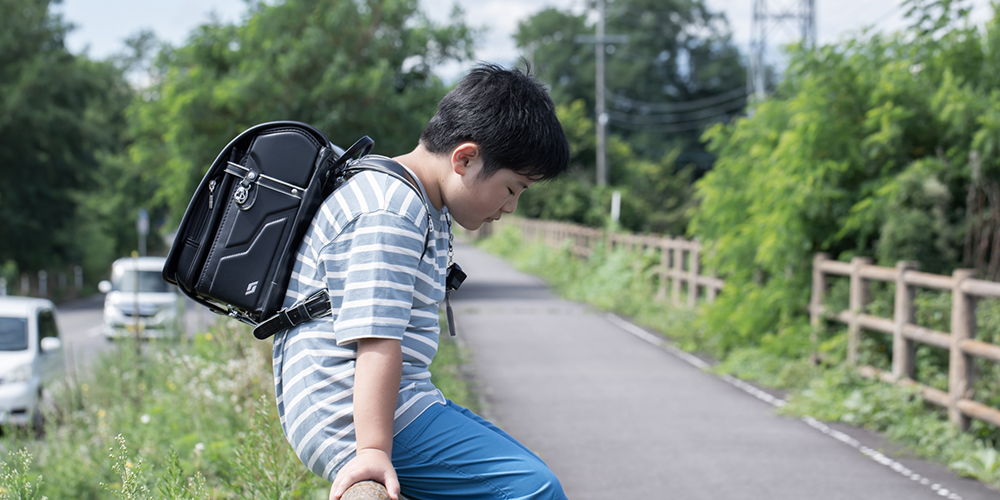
[464,156]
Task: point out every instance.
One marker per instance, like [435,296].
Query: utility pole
[601,116]
[766,17]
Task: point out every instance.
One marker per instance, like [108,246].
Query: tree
[678,52]
[52,128]
[869,148]
[349,68]
[678,73]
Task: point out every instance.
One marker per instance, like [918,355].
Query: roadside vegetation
[883,145]
[188,420]
[626,283]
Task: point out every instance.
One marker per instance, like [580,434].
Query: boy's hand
[371,464]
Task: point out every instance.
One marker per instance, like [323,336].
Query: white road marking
[762,395]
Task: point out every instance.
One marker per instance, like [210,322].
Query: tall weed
[197,416]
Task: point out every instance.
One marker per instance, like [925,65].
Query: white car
[138,302]
[31,356]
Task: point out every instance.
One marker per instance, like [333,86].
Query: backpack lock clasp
[244,195]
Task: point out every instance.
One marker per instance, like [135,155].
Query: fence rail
[960,342]
[679,268]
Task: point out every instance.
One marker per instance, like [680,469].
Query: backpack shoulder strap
[393,168]
[318,304]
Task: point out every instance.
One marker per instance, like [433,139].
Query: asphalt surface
[617,417]
[81,321]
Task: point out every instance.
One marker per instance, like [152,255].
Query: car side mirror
[51,344]
[104,286]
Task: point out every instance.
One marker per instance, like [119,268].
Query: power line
[677,117]
[669,107]
[668,128]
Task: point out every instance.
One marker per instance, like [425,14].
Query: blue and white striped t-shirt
[364,245]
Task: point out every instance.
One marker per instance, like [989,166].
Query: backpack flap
[231,244]
[260,212]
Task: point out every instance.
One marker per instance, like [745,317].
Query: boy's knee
[541,484]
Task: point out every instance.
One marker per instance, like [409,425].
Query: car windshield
[13,334]
[149,281]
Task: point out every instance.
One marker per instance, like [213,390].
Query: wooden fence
[680,260]
[960,342]
[680,271]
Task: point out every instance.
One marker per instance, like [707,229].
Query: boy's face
[473,200]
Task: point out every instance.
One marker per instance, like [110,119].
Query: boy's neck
[428,168]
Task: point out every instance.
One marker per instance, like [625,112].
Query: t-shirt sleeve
[382,251]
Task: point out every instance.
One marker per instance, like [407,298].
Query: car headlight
[20,374]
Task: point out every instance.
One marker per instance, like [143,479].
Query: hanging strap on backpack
[318,304]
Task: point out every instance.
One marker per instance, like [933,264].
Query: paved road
[80,325]
[619,418]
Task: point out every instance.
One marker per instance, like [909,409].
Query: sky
[103,25]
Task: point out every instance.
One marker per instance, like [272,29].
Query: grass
[624,282]
[175,420]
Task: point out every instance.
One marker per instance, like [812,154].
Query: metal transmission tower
[767,17]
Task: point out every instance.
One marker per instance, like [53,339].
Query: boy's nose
[509,207]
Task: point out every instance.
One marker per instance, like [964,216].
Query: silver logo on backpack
[241,194]
[251,288]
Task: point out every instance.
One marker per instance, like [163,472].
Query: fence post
[77,278]
[903,349]
[694,267]
[664,270]
[858,299]
[816,304]
[43,283]
[960,366]
[677,268]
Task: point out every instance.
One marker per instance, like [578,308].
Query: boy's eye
[509,190]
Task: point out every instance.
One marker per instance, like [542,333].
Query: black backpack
[236,244]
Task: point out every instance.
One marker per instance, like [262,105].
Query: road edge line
[762,395]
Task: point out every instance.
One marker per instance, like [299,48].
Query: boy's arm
[376,388]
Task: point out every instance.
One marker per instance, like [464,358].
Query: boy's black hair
[509,115]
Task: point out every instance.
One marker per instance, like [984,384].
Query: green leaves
[348,68]
[56,115]
[863,150]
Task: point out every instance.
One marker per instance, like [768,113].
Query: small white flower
[198,448]
[144,419]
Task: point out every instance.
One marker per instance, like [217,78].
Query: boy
[353,388]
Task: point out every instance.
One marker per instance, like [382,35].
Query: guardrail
[960,342]
[679,269]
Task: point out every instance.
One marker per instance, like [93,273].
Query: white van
[31,356]
[137,300]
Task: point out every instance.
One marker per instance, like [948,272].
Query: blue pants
[450,452]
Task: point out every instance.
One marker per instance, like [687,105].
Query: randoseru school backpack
[236,244]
